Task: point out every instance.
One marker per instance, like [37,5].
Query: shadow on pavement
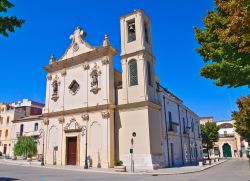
[7,179]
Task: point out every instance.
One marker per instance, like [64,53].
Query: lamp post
[85,133]
[42,133]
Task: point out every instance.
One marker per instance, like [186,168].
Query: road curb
[111,172]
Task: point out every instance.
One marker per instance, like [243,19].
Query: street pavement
[232,170]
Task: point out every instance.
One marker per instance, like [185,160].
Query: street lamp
[42,133]
[85,133]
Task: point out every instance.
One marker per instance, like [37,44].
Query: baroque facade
[115,114]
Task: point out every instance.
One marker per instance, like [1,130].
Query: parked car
[248,152]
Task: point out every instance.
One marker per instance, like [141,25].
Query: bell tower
[137,58]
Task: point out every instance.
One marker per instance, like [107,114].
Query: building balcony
[173,128]
[228,135]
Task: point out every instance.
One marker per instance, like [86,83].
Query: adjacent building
[116,114]
[10,112]
[29,126]
[230,143]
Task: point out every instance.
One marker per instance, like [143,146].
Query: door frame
[230,148]
[77,135]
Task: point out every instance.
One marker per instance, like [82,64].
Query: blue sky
[49,24]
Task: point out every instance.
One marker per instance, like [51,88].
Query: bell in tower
[137,58]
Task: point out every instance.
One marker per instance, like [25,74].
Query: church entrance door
[71,150]
[227,150]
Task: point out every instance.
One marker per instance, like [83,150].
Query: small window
[184,125]
[21,130]
[133,79]
[149,74]
[8,120]
[36,127]
[6,133]
[192,125]
[170,121]
[74,87]
[131,31]
[0,133]
[146,32]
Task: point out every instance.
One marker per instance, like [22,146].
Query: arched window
[36,127]
[21,130]
[133,78]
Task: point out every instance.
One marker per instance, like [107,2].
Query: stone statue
[55,87]
[94,77]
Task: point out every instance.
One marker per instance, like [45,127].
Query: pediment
[78,45]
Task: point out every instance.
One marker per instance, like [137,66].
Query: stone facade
[117,113]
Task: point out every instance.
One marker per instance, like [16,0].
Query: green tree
[209,134]
[225,43]
[25,146]
[8,23]
[242,117]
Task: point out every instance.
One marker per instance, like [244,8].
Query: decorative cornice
[85,117]
[104,107]
[139,104]
[46,121]
[81,110]
[142,52]
[105,114]
[88,56]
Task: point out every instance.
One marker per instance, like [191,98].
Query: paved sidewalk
[164,171]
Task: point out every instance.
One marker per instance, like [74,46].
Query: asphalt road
[233,170]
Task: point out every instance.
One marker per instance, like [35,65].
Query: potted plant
[119,167]
[26,147]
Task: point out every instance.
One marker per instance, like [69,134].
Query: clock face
[75,47]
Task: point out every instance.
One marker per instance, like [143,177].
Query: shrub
[118,163]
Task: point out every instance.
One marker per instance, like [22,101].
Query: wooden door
[5,149]
[71,150]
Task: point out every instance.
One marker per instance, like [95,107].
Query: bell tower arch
[137,58]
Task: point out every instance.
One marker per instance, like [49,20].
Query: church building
[95,111]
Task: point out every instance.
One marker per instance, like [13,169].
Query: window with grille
[131,31]
[133,79]
[74,87]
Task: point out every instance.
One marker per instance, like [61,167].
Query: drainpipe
[180,134]
[188,141]
[166,129]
